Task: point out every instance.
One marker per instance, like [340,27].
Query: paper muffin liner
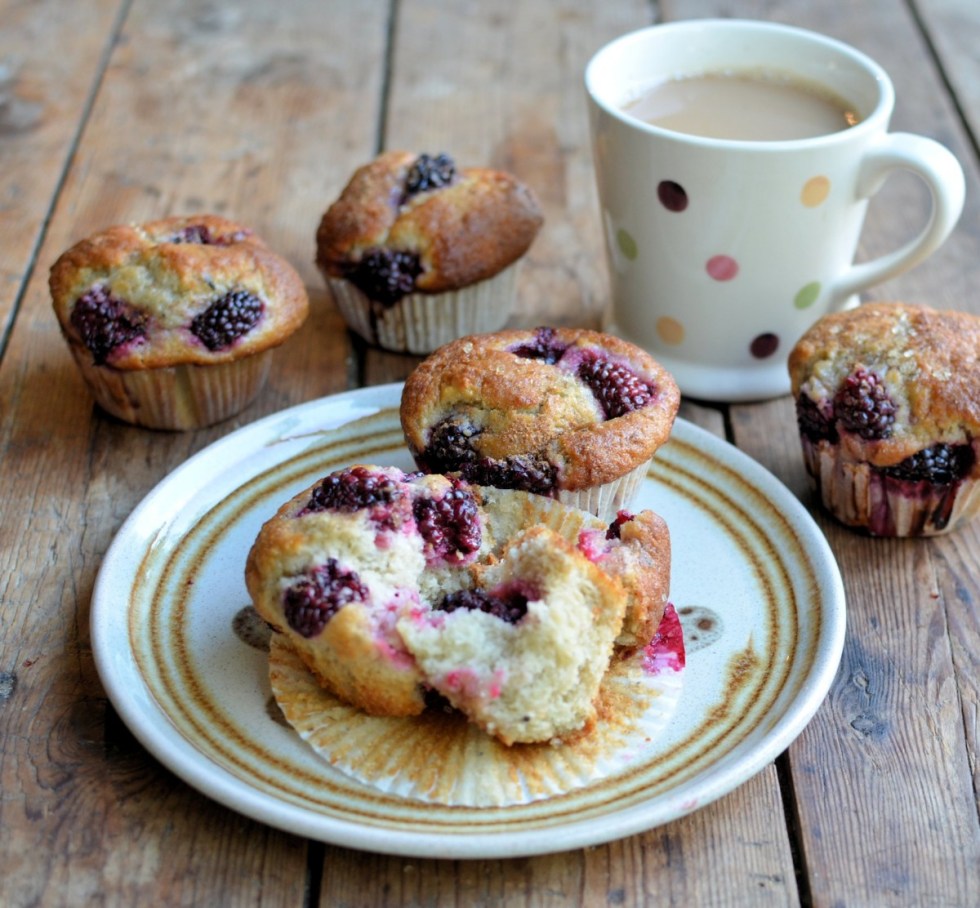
[422,322]
[441,758]
[529,509]
[860,496]
[176,397]
[608,499]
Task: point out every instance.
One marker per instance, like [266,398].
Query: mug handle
[942,174]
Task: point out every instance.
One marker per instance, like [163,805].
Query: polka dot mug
[723,251]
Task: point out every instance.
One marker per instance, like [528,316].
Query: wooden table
[124,110]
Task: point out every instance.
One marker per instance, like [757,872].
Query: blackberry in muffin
[889,416]
[172,323]
[417,251]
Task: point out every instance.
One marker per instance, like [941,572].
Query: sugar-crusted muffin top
[411,222]
[197,289]
[887,380]
[540,410]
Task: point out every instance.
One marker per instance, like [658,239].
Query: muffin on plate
[417,252]
[889,416]
[564,412]
[390,585]
[172,323]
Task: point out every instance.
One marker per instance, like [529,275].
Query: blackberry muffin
[889,416]
[173,322]
[417,252]
[374,577]
[563,412]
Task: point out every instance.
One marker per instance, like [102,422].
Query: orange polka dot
[669,330]
[815,191]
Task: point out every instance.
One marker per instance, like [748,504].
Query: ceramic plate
[755,584]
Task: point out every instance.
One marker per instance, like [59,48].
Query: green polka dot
[807,296]
[626,243]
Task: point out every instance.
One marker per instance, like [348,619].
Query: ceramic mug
[722,252]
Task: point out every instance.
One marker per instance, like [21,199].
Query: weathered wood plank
[885,775]
[519,104]
[882,775]
[953,27]
[50,61]
[260,116]
[956,561]
[719,856]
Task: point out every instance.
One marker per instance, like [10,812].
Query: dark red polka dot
[672,195]
[764,345]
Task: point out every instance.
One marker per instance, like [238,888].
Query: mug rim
[873,121]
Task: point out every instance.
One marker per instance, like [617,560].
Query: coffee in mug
[753,106]
[723,251]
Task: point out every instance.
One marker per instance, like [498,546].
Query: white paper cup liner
[422,322]
[181,397]
[439,757]
[607,500]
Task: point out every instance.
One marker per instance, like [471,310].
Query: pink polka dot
[722,267]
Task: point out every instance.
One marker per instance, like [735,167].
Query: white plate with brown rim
[753,579]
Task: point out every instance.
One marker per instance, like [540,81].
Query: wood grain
[519,105]
[262,144]
[51,59]
[114,111]
[897,738]
[951,27]
[719,856]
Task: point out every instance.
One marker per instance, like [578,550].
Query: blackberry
[450,446]
[812,422]
[449,525]
[616,387]
[543,347]
[201,234]
[615,528]
[105,322]
[386,275]
[194,233]
[351,490]
[429,172]
[227,319]
[436,702]
[527,472]
[942,464]
[310,603]
[863,406]
[507,605]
